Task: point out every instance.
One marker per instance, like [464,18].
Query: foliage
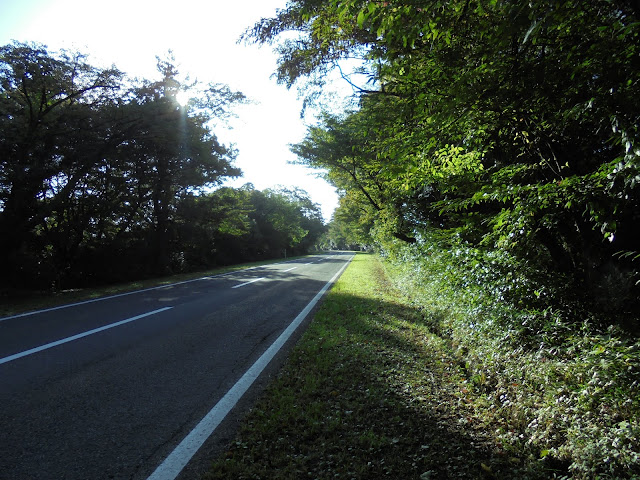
[494,155]
[350,225]
[560,390]
[103,178]
[512,125]
[283,222]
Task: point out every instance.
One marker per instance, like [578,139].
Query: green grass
[369,392]
[14,302]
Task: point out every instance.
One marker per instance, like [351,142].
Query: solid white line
[284,271]
[250,281]
[171,467]
[76,337]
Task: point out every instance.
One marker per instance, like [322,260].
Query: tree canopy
[105,178]
[508,125]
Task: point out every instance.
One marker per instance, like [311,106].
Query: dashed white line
[250,281]
[133,292]
[293,268]
[80,335]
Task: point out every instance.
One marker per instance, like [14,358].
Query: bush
[561,382]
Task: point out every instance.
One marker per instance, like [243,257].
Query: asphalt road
[107,389]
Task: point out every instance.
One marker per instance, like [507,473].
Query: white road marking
[159,287]
[117,295]
[293,268]
[78,336]
[250,281]
[171,467]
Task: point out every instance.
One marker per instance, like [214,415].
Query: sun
[182,98]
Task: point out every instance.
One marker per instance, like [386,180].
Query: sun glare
[182,98]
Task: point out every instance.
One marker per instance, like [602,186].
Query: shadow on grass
[368,393]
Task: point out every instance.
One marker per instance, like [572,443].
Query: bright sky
[203,37]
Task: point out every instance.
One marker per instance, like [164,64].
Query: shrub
[561,384]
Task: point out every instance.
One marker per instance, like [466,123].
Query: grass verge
[369,392]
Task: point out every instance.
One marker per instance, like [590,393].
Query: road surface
[109,389]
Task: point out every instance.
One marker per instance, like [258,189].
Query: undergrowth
[444,363]
[552,378]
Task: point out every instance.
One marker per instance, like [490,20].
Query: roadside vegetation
[491,158]
[106,179]
[405,375]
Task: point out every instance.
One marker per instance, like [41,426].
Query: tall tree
[92,168]
[514,124]
[47,105]
[174,151]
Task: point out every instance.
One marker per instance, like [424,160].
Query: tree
[48,142]
[92,168]
[278,224]
[352,225]
[234,225]
[511,125]
[310,219]
[178,152]
[211,228]
[348,149]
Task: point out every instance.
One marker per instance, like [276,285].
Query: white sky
[203,36]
